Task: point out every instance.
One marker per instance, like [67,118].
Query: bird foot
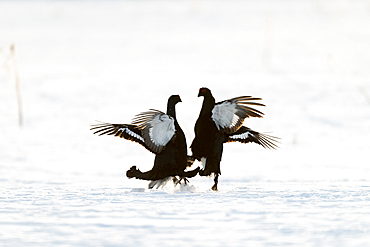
[178,181]
[214,187]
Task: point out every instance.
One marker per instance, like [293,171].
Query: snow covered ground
[82,61]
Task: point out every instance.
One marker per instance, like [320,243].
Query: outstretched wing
[127,131]
[157,128]
[229,115]
[245,135]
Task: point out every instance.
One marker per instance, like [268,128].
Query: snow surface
[82,61]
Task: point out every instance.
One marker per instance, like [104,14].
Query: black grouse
[161,134]
[220,123]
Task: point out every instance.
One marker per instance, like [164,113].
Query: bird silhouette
[161,134]
[220,123]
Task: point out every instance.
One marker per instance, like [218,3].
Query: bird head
[174,99]
[203,91]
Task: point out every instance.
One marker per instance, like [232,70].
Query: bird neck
[171,110]
[208,104]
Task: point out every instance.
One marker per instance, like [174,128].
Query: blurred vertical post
[17,84]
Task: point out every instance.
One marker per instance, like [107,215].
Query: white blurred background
[81,61]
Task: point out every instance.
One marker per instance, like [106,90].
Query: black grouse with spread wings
[221,122]
[161,134]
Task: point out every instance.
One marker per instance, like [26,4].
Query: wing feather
[126,131]
[152,129]
[157,128]
[229,115]
[246,135]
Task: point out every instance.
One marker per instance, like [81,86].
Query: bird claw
[178,181]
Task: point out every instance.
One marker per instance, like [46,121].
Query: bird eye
[203,90]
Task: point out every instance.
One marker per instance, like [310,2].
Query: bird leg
[184,175]
[214,187]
